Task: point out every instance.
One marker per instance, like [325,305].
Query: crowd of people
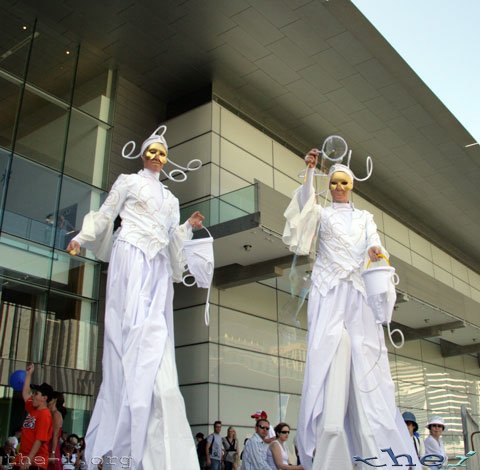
[41,442]
[70,457]
[266,449]
[433,443]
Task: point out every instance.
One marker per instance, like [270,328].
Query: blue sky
[440,39]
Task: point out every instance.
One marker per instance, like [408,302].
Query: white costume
[139,418]
[348,400]
[432,446]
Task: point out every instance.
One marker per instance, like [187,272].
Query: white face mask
[200,260]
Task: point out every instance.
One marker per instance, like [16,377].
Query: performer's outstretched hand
[374,253]
[311,159]
[73,248]
[196,220]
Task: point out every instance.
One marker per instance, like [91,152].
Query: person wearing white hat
[434,443]
[139,418]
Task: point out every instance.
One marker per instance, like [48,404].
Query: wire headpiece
[334,149]
[179,173]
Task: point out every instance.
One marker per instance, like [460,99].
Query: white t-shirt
[215,440]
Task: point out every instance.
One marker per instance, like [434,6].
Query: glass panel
[437,401]
[473,384]
[227,207]
[76,200]
[248,369]
[31,201]
[4,159]
[77,275]
[246,401]
[6,394]
[25,260]
[52,64]
[19,305]
[410,370]
[292,342]
[189,325]
[411,395]
[42,129]
[474,404]
[291,376]
[93,86]
[435,376]
[86,149]
[14,42]
[69,334]
[247,332]
[254,298]
[244,199]
[291,310]
[195,397]
[192,364]
[76,420]
[392,362]
[9,96]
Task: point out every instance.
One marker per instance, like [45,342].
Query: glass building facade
[54,137]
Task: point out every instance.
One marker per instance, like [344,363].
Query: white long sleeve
[432,446]
[97,228]
[302,217]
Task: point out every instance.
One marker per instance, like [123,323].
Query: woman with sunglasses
[434,443]
[277,454]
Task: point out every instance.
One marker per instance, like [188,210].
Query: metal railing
[471,438]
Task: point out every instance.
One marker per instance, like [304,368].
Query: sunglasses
[265,428]
[284,432]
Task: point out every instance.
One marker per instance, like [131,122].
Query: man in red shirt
[37,427]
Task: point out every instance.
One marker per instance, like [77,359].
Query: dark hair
[73,435]
[60,403]
[200,435]
[217,422]
[279,427]
[261,420]
[438,424]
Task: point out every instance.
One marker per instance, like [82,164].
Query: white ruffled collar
[150,174]
[343,206]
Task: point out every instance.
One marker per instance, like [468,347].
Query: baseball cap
[45,389]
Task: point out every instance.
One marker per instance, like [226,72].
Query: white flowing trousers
[348,400]
[138,331]
[169,438]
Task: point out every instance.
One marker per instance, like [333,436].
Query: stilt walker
[348,401]
[139,419]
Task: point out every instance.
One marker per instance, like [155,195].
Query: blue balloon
[17,379]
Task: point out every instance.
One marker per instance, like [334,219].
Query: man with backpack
[214,449]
